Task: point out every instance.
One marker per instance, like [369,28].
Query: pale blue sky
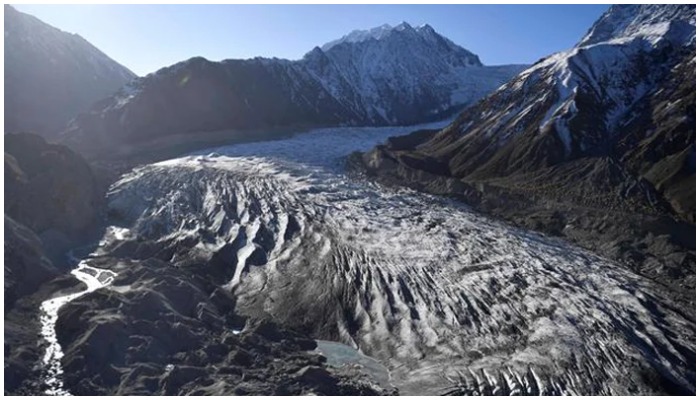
[145,38]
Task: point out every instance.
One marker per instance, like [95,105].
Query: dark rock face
[26,265]
[159,329]
[52,201]
[410,75]
[596,144]
[662,125]
[51,190]
[21,354]
[51,76]
[199,96]
[26,269]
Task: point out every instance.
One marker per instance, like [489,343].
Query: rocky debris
[658,138]
[156,330]
[26,269]
[22,354]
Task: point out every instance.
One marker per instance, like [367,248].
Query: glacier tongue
[448,300]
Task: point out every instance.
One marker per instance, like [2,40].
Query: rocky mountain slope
[51,190]
[596,143]
[26,265]
[51,75]
[401,75]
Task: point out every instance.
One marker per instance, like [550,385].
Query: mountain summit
[358,36]
[421,35]
[651,22]
[402,74]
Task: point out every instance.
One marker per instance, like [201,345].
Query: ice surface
[446,299]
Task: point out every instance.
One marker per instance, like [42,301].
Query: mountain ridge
[381,32]
[406,78]
[52,75]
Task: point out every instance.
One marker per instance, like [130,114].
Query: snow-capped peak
[377,33]
[403,26]
[618,62]
[425,29]
[650,22]
[404,38]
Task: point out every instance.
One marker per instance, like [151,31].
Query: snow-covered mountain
[652,22]
[384,76]
[51,75]
[402,74]
[584,102]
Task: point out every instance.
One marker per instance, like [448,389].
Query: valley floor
[445,298]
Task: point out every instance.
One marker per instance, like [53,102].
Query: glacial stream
[93,278]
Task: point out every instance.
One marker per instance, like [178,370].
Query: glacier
[448,300]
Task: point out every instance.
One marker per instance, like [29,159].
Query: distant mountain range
[60,86]
[385,76]
[51,75]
